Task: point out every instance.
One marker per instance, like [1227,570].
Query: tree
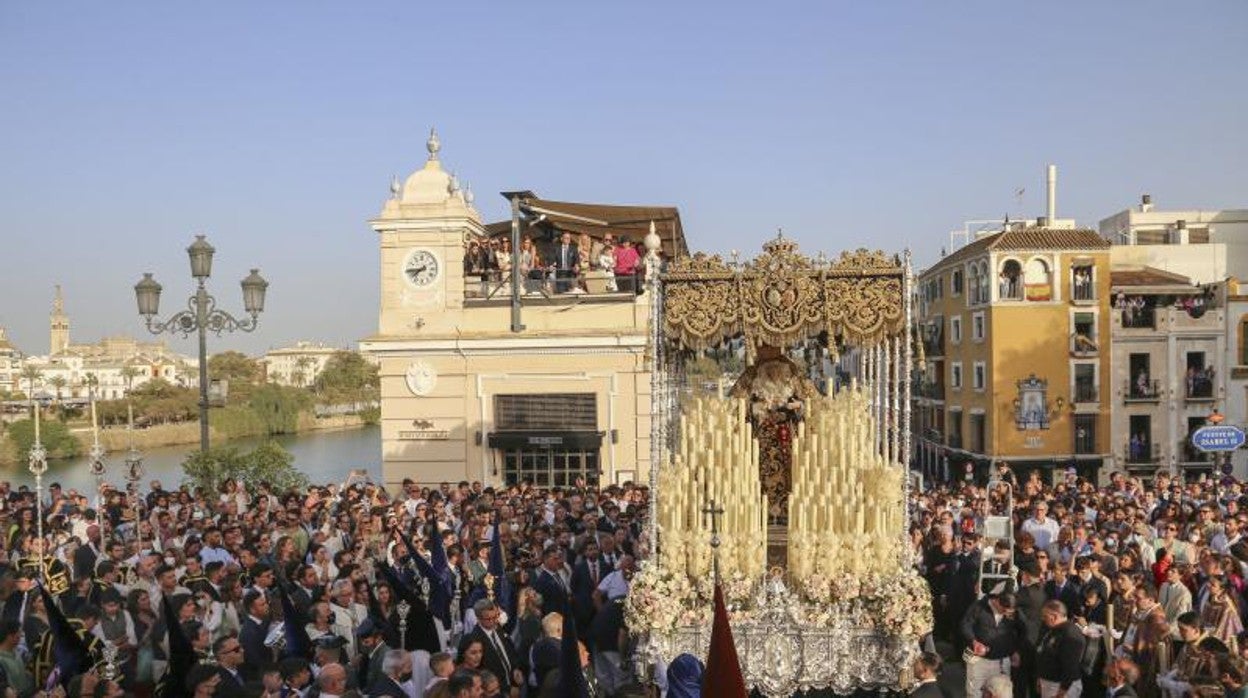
[59,383]
[30,374]
[234,366]
[348,377]
[299,377]
[278,407]
[129,373]
[269,463]
[54,436]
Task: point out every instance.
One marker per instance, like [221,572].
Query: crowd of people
[1065,588]
[458,590]
[561,266]
[1040,587]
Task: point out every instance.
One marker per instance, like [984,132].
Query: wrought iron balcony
[1142,391]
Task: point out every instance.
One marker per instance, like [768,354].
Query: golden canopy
[783,297]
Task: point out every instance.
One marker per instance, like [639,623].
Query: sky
[274,128]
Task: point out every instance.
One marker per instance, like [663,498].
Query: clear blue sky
[275,127]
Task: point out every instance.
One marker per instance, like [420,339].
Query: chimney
[1146,203]
[1051,211]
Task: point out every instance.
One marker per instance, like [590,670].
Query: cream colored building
[1164,259]
[115,364]
[463,397]
[297,365]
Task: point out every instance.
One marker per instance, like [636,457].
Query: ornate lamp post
[38,466]
[96,454]
[134,473]
[201,315]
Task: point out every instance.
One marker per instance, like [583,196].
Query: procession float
[792,481]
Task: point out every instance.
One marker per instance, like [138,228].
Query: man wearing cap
[992,635]
[373,649]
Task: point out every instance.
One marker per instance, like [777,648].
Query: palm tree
[129,373]
[59,383]
[31,373]
[300,376]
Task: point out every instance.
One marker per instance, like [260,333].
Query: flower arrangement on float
[899,603]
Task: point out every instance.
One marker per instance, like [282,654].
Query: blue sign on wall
[1219,438]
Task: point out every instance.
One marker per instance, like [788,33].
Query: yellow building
[1015,329]
[463,396]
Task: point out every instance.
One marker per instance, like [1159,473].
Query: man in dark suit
[500,654]
[230,656]
[87,554]
[251,636]
[567,263]
[373,649]
[926,671]
[1120,678]
[586,575]
[1030,599]
[1062,587]
[395,665]
[306,590]
[548,581]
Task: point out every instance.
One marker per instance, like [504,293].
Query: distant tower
[59,325]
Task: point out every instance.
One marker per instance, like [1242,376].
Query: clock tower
[422,229]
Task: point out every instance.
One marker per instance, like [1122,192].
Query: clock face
[421,268]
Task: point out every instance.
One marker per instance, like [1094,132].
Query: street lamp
[38,459]
[201,315]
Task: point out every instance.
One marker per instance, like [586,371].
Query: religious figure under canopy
[777,392]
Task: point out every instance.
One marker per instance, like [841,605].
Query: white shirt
[1043,532]
[613,585]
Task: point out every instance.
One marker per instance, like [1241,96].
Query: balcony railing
[1142,391]
[1085,442]
[932,391]
[1191,454]
[1143,452]
[1086,392]
[1138,318]
[1010,289]
[1083,345]
[1199,387]
[1082,288]
[494,286]
[934,346]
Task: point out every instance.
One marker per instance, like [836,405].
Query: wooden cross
[715,512]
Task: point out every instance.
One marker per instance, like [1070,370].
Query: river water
[325,456]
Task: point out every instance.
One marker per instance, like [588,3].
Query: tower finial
[58,301]
[433,145]
[395,186]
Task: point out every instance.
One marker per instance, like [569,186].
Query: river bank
[324,455]
[118,439]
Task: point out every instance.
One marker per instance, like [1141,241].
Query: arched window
[1039,284]
[972,289]
[1010,281]
[984,294]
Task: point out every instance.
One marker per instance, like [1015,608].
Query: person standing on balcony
[567,262]
[626,261]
